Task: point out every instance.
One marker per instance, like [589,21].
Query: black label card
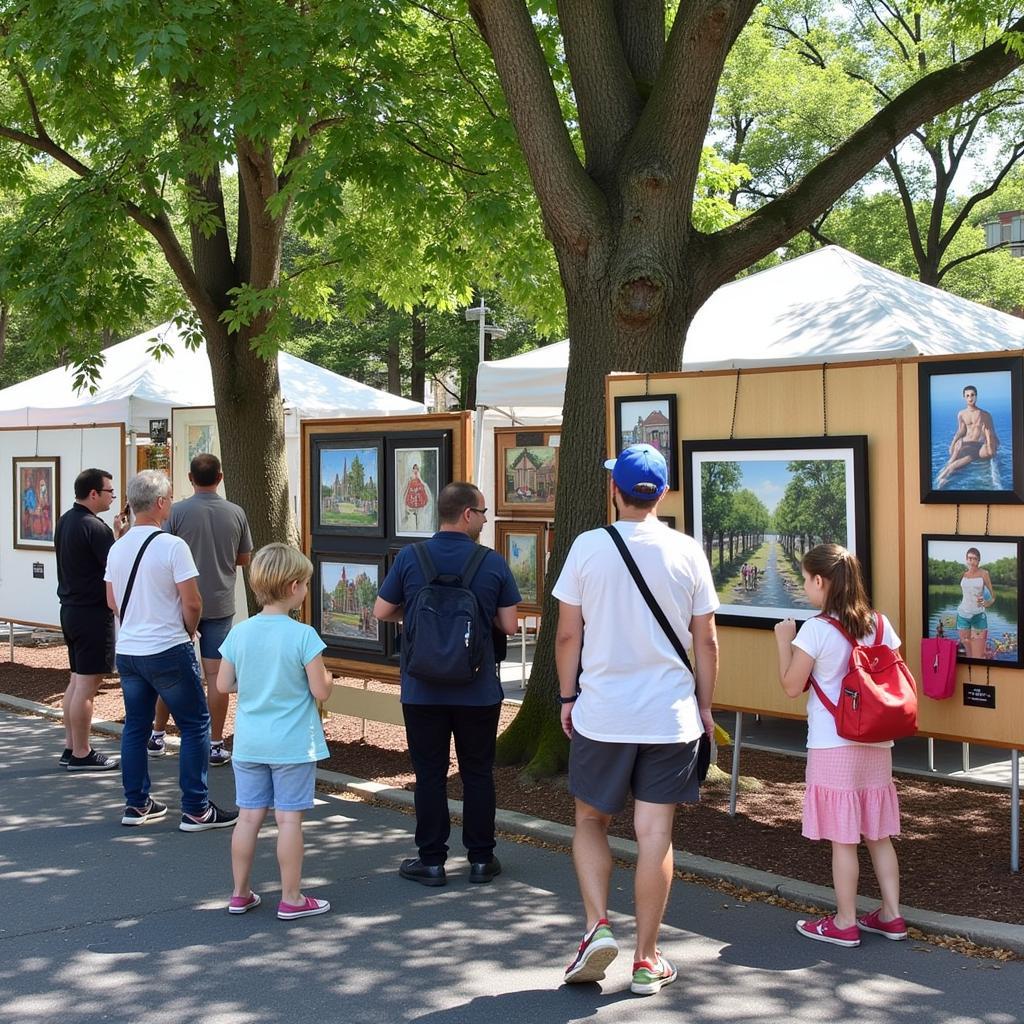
[37,571]
[977,696]
[529,438]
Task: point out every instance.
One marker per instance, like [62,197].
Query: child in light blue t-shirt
[276,666]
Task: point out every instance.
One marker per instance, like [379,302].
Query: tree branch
[970,256]
[965,211]
[641,25]
[467,78]
[750,239]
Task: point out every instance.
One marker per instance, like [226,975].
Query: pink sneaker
[896,929]
[825,930]
[309,907]
[240,904]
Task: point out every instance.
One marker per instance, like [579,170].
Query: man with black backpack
[450,593]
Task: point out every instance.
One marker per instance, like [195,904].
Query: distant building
[1007,226]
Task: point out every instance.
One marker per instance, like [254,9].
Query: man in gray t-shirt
[217,533]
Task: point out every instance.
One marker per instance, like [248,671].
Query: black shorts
[89,634]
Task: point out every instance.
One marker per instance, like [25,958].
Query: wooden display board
[359,534]
[879,400]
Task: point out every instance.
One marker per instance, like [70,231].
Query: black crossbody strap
[135,568]
[649,597]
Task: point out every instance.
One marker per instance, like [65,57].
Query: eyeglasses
[478,511]
[108,490]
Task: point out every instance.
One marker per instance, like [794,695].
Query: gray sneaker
[219,755]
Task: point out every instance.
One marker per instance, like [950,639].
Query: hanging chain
[735,405]
[647,384]
[988,514]
[824,401]
[956,522]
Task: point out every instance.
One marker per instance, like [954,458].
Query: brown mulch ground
[954,852]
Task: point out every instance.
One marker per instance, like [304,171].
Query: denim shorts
[212,633]
[977,622]
[285,787]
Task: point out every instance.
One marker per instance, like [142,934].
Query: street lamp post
[479,314]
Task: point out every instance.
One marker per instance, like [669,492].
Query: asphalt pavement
[106,923]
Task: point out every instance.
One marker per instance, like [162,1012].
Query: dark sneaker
[140,815]
[309,907]
[212,817]
[597,950]
[240,904]
[94,761]
[65,757]
[156,746]
[649,978]
[896,929]
[824,930]
[219,756]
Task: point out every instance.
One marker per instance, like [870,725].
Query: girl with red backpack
[850,793]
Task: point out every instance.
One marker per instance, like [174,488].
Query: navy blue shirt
[494,587]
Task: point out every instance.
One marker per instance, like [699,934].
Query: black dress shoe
[485,872]
[426,874]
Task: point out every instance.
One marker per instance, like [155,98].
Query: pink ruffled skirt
[850,794]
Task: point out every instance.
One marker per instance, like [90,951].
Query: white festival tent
[827,306]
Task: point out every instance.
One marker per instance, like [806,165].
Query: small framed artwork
[346,476]
[416,485]
[522,546]
[669,521]
[648,419]
[971,431]
[36,501]
[393,630]
[758,506]
[972,594]
[346,589]
[526,472]
[193,432]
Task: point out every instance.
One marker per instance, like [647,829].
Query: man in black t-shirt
[82,541]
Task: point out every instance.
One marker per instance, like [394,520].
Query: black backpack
[445,638]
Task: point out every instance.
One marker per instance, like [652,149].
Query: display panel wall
[370,488]
[38,466]
[879,400]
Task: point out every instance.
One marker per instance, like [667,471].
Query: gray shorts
[604,774]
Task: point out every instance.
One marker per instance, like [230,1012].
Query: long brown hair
[845,596]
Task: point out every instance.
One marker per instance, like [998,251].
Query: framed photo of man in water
[756,506]
[971,431]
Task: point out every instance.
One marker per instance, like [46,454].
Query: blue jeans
[174,675]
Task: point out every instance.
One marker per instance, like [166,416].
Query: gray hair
[146,487]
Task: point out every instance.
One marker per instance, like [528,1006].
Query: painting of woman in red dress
[415,490]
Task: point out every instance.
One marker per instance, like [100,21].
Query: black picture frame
[943,610]
[393,630]
[330,466]
[341,627]
[775,591]
[669,521]
[645,408]
[999,393]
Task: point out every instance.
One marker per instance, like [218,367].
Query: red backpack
[878,698]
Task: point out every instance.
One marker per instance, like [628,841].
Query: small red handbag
[938,667]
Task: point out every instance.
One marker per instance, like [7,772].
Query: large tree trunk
[394,364]
[418,382]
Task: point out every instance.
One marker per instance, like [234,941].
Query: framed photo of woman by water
[758,506]
[526,471]
[972,594]
[345,589]
[648,419]
[416,485]
[36,502]
[346,479]
[522,546]
[972,432]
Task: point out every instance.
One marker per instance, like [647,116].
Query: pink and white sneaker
[309,907]
[825,930]
[240,904]
[896,929]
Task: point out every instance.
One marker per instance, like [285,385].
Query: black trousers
[429,729]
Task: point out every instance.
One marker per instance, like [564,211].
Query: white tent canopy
[134,388]
[827,306]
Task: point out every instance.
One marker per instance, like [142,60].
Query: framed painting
[526,472]
[36,501]
[972,594]
[522,545]
[416,485]
[345,590]
[758,506]
[971,432]
[648,419]
[193,432]
[347,483]
[669,521]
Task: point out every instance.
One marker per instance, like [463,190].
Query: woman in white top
[971,620]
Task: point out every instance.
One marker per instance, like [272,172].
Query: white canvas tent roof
[827,306]
[134,387]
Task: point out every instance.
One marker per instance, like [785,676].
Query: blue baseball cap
[640,472]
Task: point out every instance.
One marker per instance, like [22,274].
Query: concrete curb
[991,934]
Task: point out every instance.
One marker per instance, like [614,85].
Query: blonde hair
[845,596]
[274,568]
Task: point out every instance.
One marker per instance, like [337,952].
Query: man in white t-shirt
[152,588]
[636,713]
